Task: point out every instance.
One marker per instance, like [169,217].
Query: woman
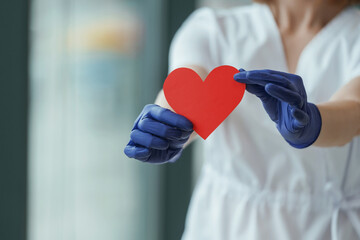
[291,171]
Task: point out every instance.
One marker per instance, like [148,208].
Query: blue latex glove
[284,98]
[158,135]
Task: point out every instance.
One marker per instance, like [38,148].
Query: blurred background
[74,76]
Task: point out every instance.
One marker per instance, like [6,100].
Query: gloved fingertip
[240,76]
[127,151]
[185,124]
[137,152]
[269,86]
[270,89]
[242,70]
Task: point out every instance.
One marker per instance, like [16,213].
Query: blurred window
[86,93]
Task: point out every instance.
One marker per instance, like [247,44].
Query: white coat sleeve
[354,66]
[194,42]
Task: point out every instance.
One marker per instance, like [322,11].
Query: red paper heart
[205,103]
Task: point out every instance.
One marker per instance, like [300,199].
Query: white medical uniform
[254,185]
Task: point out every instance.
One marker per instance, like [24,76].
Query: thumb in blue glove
[158,135]
[284,98]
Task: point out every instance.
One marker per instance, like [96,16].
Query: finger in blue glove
[158,135]
[284,98]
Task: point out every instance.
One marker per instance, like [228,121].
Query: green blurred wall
[14,21]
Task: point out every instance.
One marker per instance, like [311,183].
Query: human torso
[251,174]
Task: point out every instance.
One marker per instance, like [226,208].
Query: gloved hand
[158,135]
[284,98]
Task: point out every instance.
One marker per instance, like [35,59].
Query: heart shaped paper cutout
[205,103]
